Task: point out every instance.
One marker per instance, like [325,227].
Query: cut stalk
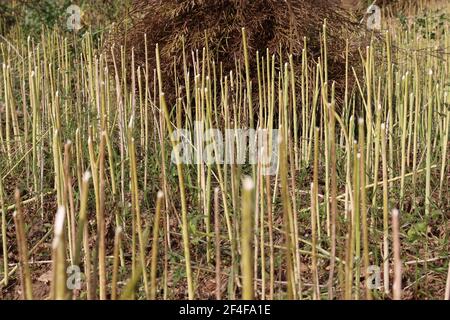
[217,243]
[117,239]
[4,238]
[27,290]
[59,285]
[385,210]
[247,216]
[155,246]
[397,285]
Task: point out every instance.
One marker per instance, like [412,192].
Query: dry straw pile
[285,27]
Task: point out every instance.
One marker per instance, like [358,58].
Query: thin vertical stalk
[356,221]
[4,238]
[115,271]
[155,246]
[137,209]
[181,184]
[315,275]
[362,181]
[333,195]
[287,217]
[247,216]
[385,210]
[428,140]
[447,287]
[316,179]
[101,219]
[217,243]
[59,285]
[397,285]
[23,249]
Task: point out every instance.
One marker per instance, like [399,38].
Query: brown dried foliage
[280,26]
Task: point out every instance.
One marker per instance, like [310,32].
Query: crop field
[310,172]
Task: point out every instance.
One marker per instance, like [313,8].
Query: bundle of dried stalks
[280,26]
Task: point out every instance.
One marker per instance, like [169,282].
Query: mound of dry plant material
[280,26]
